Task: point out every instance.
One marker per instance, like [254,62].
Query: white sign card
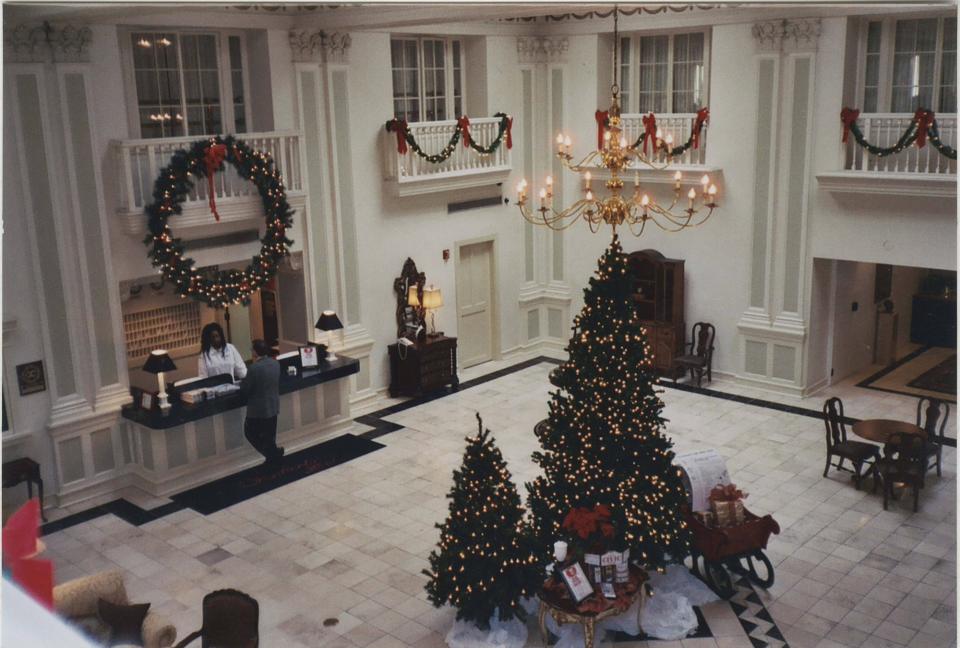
[701,471]
[308,356]
[576,582]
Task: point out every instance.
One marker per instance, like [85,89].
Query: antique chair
[904,462]
[857,452]
[932,415]
[77,601]
[700,357]
[230,620]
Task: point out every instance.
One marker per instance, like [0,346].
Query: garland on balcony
[649,135]
[406,139]
[922,127]
[218,288]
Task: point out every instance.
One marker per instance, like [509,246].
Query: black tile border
[867,383]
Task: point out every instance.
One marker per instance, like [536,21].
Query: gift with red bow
[726,501]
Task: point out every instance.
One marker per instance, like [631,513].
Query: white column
[773,329]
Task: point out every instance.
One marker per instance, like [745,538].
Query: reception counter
[194,444]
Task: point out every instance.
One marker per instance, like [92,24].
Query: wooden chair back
[932,415]
[231,619]
[905,454]
[702,339]
[833,420]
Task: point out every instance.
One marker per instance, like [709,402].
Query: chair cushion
[125,621]
[856,450]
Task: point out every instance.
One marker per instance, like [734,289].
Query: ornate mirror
[410,313]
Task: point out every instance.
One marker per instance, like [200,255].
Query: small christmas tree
[483,564]
[604,443]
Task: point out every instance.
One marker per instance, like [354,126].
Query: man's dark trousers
[262,435]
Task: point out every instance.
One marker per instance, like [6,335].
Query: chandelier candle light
[618,156]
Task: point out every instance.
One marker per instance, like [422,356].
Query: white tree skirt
[502,634]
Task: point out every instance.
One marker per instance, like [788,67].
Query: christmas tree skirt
[501,634]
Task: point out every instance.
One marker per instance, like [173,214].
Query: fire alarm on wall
[446,255]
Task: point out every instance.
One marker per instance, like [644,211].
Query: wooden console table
[423,367]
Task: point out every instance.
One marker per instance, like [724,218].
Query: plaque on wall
[30,377]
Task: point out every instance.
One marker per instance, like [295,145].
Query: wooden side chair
[932,415]
[904,462]
[231,619]
[700,357]
[857,453]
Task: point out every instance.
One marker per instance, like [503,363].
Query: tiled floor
[351,542]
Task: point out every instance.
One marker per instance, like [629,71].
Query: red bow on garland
[703,116]
[849,117]
[509,136]
[601,116]
[649,132]
[212,160]
[399,126]
[924,119]
[463,123]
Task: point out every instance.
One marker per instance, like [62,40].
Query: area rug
[235,488]
[942,378]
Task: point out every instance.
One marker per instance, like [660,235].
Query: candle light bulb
[587,176]
[659,133]
[567,141]
[559,138]
[543,194]
[606,135]
[589,195]
[712,190]
[705,180]
[691,194]
[677,176]
[549,181]
[645,200]
[668,139]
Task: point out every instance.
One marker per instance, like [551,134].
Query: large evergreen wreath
[203,159]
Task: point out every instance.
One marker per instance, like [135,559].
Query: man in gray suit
[261,386]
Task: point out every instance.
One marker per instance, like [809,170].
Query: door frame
[495,351]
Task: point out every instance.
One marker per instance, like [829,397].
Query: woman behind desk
[217,356]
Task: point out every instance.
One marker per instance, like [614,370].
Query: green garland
[218,289]
[848,117]
[399,127]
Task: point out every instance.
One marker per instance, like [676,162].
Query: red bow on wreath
[212,159]
[849,117]
[399,127]
[463,123]
[601,116]
[509,136]
[703,116]
[924,119]
[649,132]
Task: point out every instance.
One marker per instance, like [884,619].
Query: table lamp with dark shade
[329,322]
[157,363]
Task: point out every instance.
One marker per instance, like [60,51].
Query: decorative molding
[306,46]
[336,47]
[319,46]
[542,49]
[45,42]
[793,35]
[25,43]
[941,185]
[70,43]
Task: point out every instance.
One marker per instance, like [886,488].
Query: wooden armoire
[658,294]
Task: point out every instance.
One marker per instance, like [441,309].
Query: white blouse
[214,362]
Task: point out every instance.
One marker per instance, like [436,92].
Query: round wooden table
[555,601]
[879,430]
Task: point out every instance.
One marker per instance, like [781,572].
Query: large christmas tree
[604,440]
[483,564]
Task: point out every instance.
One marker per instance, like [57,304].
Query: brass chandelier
[618,156]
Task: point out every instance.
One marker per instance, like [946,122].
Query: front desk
[195,444]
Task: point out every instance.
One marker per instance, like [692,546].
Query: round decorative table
[879,430]
[556,601]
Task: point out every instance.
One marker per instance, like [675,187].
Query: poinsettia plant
[590,529]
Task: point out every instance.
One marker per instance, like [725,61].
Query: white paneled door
[475,303]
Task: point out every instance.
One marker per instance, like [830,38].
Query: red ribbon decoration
[399,126]
[703,116]
[601,116]
[463,122]
[509,129]
[212,159]
[924,119]
[649,132]
[849,117]
[20,544]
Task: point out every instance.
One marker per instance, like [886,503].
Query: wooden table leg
[589,628]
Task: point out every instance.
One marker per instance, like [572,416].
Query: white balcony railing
[464,168]
[139,162]
[884,129]
[678,125]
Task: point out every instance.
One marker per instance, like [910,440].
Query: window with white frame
[427,78]
[663,73]
[909,64]
[188,83]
